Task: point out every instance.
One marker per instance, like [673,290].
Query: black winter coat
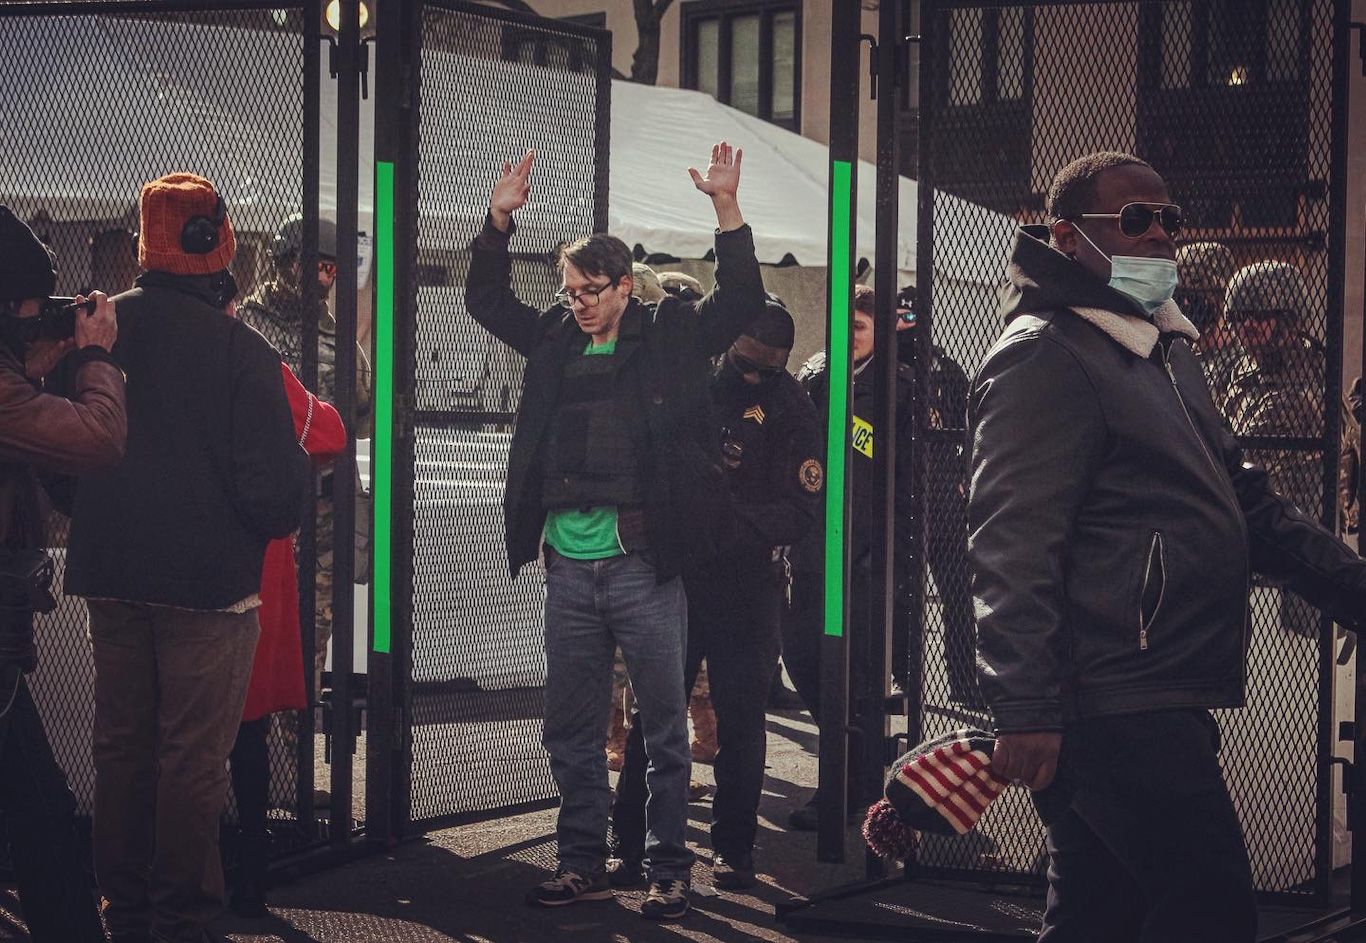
[1113,521]
[665,354]
[808,556]
[212,470]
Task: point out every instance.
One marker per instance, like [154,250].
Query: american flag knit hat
[941,786]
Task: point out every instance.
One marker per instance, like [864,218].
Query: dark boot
[249,891]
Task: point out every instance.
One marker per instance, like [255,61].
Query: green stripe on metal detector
[382,446]
[837,418]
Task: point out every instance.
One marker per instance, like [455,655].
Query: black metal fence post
[344,469]
[887,599]
[835,643]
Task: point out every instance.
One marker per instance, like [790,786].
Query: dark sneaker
[625,873]
[568,887]
[667,900]
[732,872]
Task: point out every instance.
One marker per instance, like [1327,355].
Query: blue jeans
[591,607]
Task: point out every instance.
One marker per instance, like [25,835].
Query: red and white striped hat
[941,786]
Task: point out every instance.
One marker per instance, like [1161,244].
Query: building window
[984,91]
[990,55]
[1248,62]
[746,55]
[1232,43]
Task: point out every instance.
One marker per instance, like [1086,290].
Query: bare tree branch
[645,63]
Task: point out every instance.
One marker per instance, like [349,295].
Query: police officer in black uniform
[804,622]
[770,439]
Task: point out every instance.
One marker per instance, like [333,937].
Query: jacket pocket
[1152,589]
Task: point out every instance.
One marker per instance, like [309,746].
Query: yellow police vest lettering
[862,437]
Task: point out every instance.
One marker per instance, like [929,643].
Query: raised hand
[511,191]
[721,182]
[723,173]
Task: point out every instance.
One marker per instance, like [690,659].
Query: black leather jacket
[1113,521]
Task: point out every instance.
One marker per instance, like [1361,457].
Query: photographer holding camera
[42,432]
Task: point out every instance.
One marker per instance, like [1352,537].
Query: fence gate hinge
[872,63]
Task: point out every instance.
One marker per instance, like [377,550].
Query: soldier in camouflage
[1204,270]
[276,309]
[1276,389]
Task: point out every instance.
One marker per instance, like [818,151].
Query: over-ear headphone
[200,233]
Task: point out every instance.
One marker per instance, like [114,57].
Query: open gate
[464,649]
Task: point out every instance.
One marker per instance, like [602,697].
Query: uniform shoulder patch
[811,475]
[755,413]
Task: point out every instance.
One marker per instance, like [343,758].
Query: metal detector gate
[471,87]
[1241,107]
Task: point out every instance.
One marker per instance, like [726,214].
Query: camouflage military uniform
[276,310]
[1349,460]
[1279,393]
[1205,269]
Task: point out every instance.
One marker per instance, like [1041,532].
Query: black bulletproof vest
[591,458]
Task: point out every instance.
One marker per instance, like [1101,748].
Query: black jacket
[1113,522]
[665,352]
[771,448]
[815,378]
[212,471]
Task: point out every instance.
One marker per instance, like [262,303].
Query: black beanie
[25,264]
[773,326]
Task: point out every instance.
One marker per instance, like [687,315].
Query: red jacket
[277,674]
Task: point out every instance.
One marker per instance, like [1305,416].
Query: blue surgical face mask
[1150,282]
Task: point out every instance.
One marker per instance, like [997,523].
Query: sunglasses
[1135,219]
[327,268]
[744,365]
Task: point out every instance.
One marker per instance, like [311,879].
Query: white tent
[783,189]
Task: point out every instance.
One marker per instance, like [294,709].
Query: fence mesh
[1233,103]
[91,115]
[491,88]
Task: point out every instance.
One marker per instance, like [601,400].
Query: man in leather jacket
[51,434]
[1113,526]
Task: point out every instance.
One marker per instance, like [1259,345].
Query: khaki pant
[170,685]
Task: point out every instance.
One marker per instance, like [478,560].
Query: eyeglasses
[327,268]
[744,365]
[589,299]
[1137,218]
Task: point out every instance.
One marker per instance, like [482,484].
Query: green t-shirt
[590,534]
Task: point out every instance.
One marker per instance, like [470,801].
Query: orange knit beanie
[167,205]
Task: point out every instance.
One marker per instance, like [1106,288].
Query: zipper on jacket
[1247,575]
[1156,553]
[1171,374]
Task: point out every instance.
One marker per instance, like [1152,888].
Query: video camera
[56,320]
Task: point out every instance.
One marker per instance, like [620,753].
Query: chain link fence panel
[100,99]
[492,87]
[1234,104]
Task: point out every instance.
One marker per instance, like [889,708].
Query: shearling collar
[1139,335]
[1039,278]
